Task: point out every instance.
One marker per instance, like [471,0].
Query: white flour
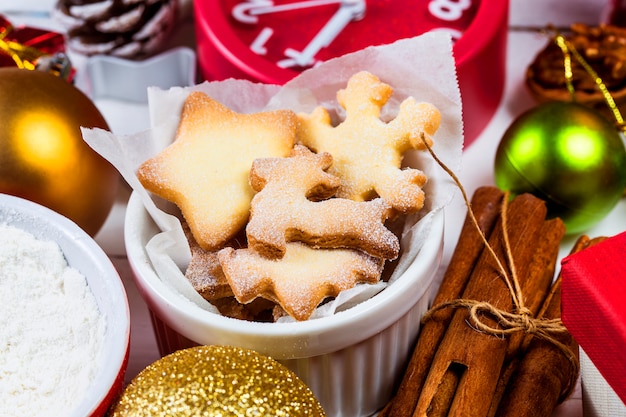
[51,332]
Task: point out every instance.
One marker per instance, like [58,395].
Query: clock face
[279,38]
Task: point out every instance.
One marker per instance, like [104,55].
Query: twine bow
[521,318]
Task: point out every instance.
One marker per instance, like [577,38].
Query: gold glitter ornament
[216,381]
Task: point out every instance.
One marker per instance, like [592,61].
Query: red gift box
[594,308]
[26,43]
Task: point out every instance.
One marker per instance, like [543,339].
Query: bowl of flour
[65,321]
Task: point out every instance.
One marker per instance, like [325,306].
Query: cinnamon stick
[481,355]
[544,372]
[513,364]
[485,204]
[540,274]
[536,288]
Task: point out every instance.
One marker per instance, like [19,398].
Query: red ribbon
[22,46]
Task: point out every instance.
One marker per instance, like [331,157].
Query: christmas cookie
[205,170]
[293,204]
[204,271]
[301,279]
[368,151]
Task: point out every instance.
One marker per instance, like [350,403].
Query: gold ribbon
[24,56]
[570,51]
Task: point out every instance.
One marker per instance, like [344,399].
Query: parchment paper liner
[422,67]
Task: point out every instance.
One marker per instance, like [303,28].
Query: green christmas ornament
[568,155]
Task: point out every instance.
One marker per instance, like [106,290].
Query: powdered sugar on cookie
[314,198]
[205,170]
[283,210]
[368,151]
[302,279]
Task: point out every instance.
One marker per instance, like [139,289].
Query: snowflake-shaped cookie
[368,151]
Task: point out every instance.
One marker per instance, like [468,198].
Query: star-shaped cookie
[205,170]
[367,151]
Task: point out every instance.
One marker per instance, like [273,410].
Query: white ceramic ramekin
[84,254]
[351,361]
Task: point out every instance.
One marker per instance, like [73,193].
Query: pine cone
[124,28]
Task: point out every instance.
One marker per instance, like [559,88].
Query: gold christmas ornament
[216,381]
[43,157]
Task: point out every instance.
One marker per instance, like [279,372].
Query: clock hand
[350,10]
[246,12]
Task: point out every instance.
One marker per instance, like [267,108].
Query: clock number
[448,10]
[258,44]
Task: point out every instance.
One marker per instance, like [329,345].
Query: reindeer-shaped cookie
[294,203]
[368,151]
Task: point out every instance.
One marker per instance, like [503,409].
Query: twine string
[521,319]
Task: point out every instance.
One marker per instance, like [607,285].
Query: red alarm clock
[271,41]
